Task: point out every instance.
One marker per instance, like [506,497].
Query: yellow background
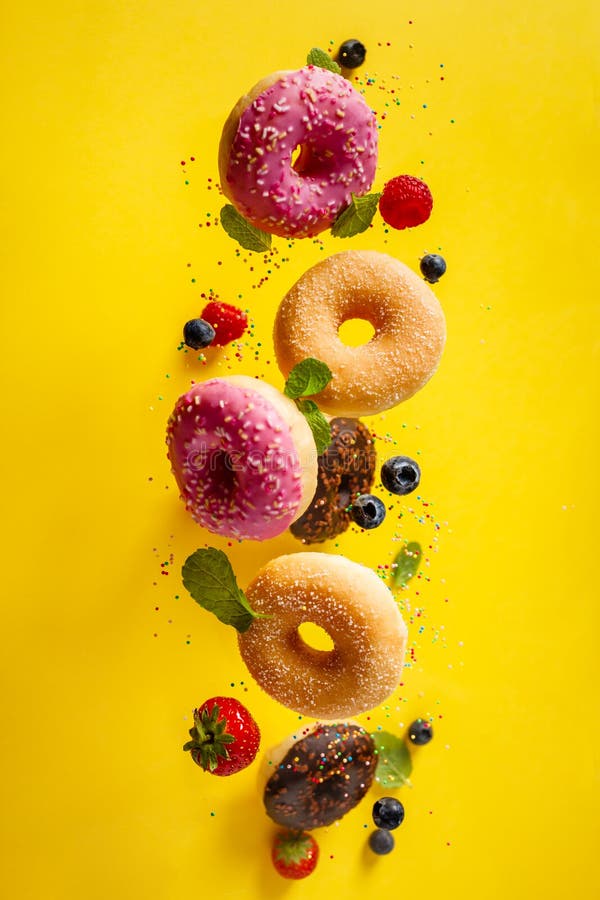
[102,101]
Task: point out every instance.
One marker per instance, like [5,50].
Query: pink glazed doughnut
[243,456]
[319,113]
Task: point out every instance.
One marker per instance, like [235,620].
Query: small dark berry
[420,732]
[381,842]
[352,54]
[198,334]
[432,267]
[368,511]
[388,813]
[400,475]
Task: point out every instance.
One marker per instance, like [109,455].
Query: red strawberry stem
[209,738]
[293,846]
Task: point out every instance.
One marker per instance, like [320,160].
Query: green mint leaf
[406,565]
[318,424]
[318,57]
[394,764]
[307,378]
[356,217]
[208,576]
[238,228]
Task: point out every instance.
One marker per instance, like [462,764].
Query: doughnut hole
[343,494]
[315,637]
[331,791]
[223,471]
[310,165]
[301,158]
[356,332]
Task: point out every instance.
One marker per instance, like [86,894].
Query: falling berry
[406,201]
[198,334]
[388,813]
[381,842]
[420,732]
[432,267]
[352,54]
[229,322]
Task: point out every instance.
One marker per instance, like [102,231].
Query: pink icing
[235,461]
[323,114]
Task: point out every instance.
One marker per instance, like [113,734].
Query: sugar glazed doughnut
[358,613]
[243,456]
[346,469]
[316,778]
[311,111]
[402,355]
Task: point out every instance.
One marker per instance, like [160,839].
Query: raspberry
[406,201]
[228,321]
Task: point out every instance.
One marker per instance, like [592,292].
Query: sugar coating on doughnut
[402,355]
[243,456]
[319,113]
[321,776]
[357,611]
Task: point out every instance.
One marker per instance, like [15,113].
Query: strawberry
[406,201]
[295,853]
[225,737]
[228,321]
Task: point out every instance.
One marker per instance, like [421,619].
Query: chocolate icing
[346,469]
[322,777]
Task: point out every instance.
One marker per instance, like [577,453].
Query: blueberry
[381,842]
[388,813]
[432,267]
[400,475]
[420,732]
[198,334]
[368,511]
[352,54]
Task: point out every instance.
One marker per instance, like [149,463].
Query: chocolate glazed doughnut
[346,469]
[321,777]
